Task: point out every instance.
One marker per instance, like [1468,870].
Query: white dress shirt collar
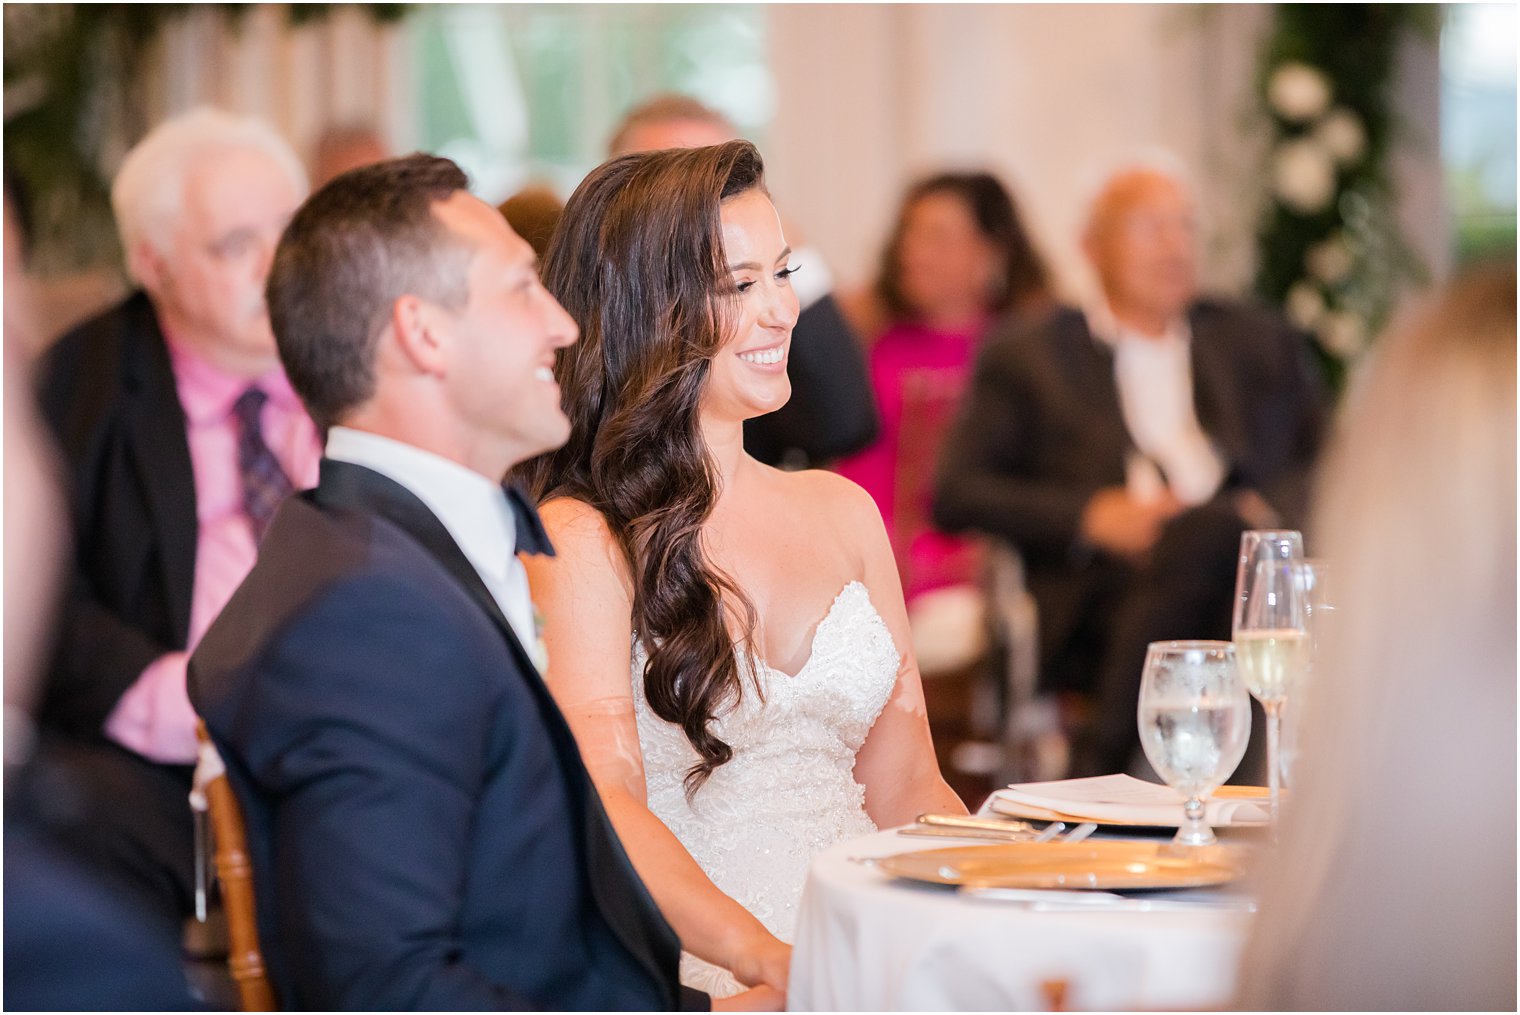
[474,509]
[1154,377]
[1108,329]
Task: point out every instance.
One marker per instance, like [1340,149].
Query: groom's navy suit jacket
[423,832]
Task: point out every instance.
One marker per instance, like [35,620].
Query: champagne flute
[1315,581]
[1271,632]
[1194,720]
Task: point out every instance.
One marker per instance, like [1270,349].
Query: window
[1478,125]
[521,92]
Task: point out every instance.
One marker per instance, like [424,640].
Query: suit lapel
[1093,382]
[630,913]
[353,487]
[1216,393]
[160,455]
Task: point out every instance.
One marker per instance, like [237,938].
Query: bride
[728,641]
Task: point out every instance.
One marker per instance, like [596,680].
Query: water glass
[1195,719]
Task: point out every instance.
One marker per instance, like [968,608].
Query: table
[867,942]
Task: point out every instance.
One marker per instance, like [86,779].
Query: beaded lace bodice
[789,790]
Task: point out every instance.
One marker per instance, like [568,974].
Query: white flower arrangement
[1342,134]
[1303,175]
[1330,260]
[1331,251]
[1298,92]
[1304,180]
[1342,333]
[1305,305]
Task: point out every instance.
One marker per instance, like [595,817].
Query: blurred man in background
[832,412]
[1123,450]
[180,435]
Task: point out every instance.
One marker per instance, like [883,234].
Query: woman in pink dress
[957,259]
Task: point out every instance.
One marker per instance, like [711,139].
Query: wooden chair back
[234,869]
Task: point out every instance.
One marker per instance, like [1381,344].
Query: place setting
[1096,842]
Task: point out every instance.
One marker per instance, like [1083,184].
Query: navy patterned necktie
[264,481]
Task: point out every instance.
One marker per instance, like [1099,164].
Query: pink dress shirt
[919,375]
[154,717]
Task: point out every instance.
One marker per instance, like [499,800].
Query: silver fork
[1050,833]
[1081,832]
[1053,832]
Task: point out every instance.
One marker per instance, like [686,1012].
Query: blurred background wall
[848,102]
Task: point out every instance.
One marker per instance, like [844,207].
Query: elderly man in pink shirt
[181,435]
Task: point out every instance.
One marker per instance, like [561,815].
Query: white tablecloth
[866,942]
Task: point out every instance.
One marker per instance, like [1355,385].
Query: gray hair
[149,190]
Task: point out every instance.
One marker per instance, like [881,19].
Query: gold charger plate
[1114,865]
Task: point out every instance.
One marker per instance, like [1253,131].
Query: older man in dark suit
[423,832]
[179,433]
[1123,449]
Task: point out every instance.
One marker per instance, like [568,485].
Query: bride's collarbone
[787,553]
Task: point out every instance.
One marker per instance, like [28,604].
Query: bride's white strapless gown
[789,790]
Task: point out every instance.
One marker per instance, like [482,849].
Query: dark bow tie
[531,537]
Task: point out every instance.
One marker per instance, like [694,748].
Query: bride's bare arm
[896,764]
[586,600]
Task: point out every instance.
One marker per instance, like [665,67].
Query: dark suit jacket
[423,832]
[108,393]
[832,411]
[1042,431]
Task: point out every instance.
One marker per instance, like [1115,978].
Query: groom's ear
[421,334]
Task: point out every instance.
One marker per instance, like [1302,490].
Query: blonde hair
[148,193]
[1372,902]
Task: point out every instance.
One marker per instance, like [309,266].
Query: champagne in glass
[1314,582]
[1194,721]
[1272,660]
[1271,632]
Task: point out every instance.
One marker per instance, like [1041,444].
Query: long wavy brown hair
[637,260]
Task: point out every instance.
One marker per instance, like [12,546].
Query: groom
[423,833]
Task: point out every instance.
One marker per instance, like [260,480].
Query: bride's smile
[749,372]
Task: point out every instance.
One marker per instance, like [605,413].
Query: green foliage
[1353,49]
[73,69]
[75,76]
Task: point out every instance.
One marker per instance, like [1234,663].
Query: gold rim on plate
[1081,865]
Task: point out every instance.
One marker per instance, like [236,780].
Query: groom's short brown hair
[357,245]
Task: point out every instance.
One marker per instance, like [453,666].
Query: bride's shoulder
[834,498]
[573,519]
[581,538]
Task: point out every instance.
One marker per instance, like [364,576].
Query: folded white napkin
[1120,799]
